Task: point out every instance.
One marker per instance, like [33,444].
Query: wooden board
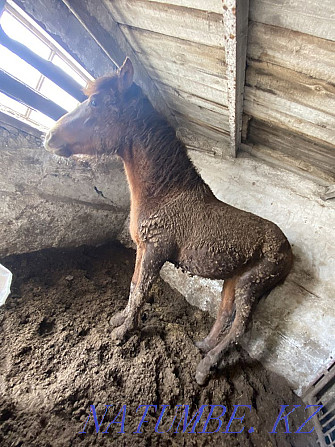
[319,155]
[293,86]
[307,16]
[287,162]
[293,50]
[208,5]
[204,143]
[190,86]
[194,112]
[289,115]
[164,70]
[193,99]
[175,52]
[200,128]
[172,20]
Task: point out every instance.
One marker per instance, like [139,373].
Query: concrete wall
[47,201]
[293,328]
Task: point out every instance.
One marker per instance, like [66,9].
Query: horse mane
[169,166]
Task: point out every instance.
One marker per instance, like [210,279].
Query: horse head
[95,126]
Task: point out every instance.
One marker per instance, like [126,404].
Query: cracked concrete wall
[48,201]
[293,327]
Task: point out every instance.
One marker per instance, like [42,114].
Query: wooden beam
[308,17]
[100,24]
[235,16]
[26,95]
[45,67]
[2,6]
[54,17]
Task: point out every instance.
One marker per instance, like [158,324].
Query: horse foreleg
[146,270]
[224,317]
[120,317]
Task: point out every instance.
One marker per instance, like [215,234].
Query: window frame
[55,50]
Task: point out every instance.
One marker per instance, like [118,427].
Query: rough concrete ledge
[48,201]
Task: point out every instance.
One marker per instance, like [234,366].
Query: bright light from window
[12,104]
[20,27]
[16,30]
[58,95]
[65,67]
[19,68]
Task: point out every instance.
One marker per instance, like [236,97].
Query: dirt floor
[57,359]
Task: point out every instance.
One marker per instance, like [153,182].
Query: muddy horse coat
[174,214]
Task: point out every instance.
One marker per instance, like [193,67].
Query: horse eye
[93,103]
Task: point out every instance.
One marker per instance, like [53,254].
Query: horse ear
[126,74]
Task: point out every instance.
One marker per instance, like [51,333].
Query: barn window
[39,80]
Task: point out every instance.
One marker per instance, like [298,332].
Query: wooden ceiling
[229,76]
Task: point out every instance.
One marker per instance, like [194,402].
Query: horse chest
[148,229]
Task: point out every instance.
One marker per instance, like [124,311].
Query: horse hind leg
[224,317]
[251,285]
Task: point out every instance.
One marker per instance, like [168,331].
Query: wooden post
[235,16]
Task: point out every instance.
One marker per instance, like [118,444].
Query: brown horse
[174,214]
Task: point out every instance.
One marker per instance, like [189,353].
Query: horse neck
[156,162]
[155,173]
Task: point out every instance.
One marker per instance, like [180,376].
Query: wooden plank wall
[181,45]
[290,91]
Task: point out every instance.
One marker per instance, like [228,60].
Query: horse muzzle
[51,145]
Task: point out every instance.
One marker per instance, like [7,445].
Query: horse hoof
[203,346]
[119,334]
[117,320]
[203,371]
[201,378]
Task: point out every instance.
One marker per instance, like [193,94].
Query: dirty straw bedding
[61,375]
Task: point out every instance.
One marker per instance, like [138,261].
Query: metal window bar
[322,392]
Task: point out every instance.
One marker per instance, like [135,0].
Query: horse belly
[208,264]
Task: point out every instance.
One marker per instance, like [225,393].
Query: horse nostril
[52,142]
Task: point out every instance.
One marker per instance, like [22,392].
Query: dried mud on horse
[174,214]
